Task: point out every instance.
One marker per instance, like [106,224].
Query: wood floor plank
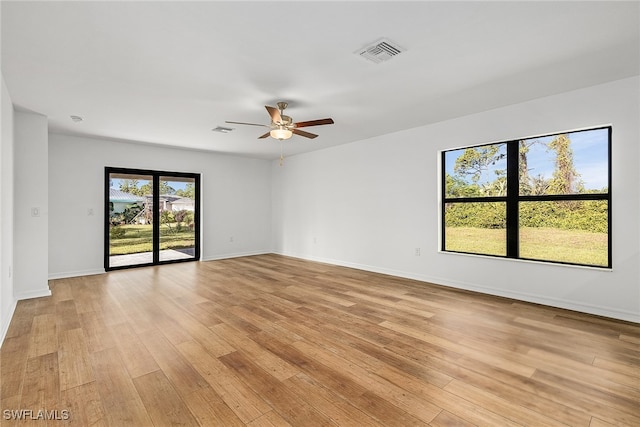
[13,364]
[133,353]
[272,364]
[334,407]
[288,404]
[211,410]
[67,315]
[270,419]
[163,403]
[73,359]
[44,336]
[508,409]
[242,400]
[420,408]
[445,419]
[120,399]
[457,405]
[270,340]
[41,390]
[98,336]
[61,290]
[181,373]
[84,406]
[608,406]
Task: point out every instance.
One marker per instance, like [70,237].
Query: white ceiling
[169,72]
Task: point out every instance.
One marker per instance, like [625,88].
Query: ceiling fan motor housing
[286,120]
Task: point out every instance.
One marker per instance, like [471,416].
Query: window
[545,198]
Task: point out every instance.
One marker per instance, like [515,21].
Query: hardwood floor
[271,341]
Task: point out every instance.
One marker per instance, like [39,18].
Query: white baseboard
[234,255]
[6,321]
[67,274]
[613,313]
[39,293]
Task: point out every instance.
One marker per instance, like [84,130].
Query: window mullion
[513,192]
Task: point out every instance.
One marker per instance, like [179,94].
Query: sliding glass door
[152,217]
[177,218]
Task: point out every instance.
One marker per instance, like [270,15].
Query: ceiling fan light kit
[281,133]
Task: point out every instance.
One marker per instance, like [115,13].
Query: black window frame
[513,199]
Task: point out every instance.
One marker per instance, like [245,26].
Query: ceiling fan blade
[303,133]
[274,113]
[265,135]
[314,123]
[250,124]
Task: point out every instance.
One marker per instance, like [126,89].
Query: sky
[590,158]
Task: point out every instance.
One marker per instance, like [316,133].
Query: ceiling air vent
[222,129]
[380,51]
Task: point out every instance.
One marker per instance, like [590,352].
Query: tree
[523,168]
[565,179]
[476,160]
[189,191]
[166,218]
[457,187]
[165,188]
[130,186]
[538,185]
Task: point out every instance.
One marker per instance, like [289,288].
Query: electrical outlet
[231,239]
[90,211]
[417,251]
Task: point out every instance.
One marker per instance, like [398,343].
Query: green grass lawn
[138,239]
[549,244]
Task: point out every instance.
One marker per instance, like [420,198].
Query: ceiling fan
[283,127]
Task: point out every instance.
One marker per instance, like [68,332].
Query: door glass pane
[130,219]
[177,218]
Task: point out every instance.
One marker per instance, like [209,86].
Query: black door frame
[108,170]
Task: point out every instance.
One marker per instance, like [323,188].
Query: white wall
[7,300]
[369,204]
[30,192]
[235,199]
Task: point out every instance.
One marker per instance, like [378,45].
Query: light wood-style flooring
[275,341]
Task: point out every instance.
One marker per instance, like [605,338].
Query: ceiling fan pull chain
[281,156]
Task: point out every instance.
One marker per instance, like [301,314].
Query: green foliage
[479,215]
[132,186]
[125,217]
[588,215]
[166,217]
[188,192]
[565,178]
[458,187]
[117,232]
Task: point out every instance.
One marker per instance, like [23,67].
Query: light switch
[35,211]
